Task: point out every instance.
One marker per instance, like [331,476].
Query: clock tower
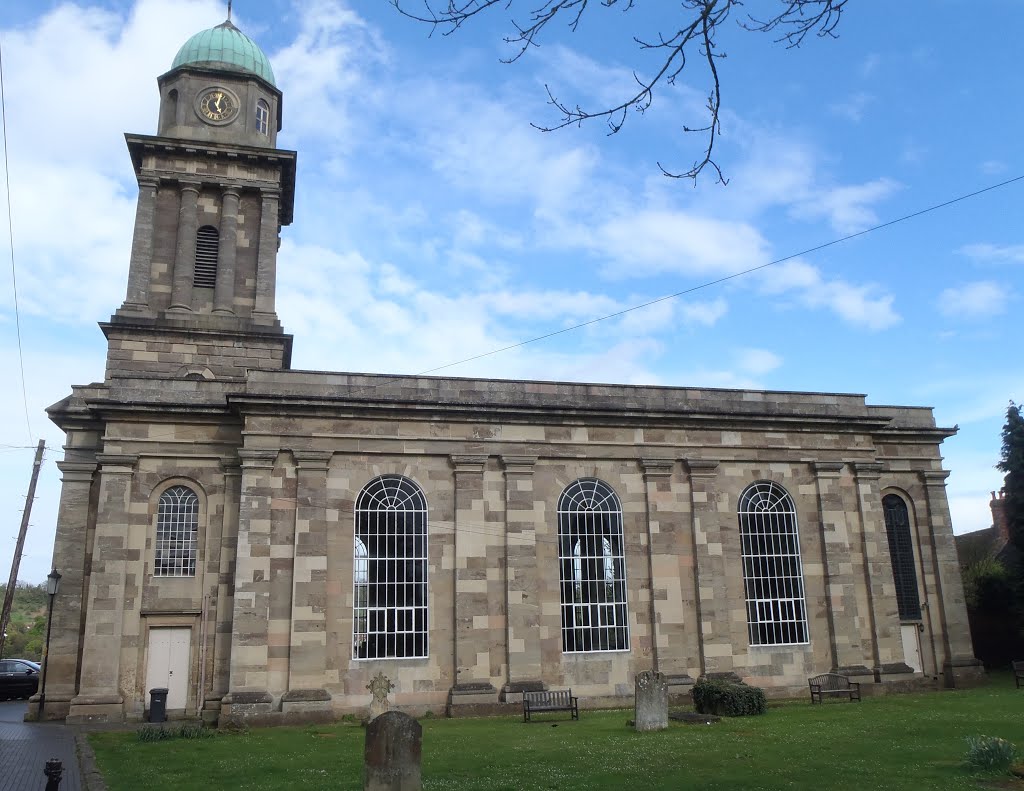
[214,192]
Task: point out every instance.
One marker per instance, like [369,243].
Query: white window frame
[177,533]
[262,117]
[592,569]
[773,578]
[390,543]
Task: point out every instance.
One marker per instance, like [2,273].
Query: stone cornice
[519,465]
[79,471]
[702,468]
[468,463]
[117,462]
[312,460]
[868,470]
[657,468]
[934,477]
[257,458]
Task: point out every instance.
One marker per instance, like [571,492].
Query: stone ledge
[306,696]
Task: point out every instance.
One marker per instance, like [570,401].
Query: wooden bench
[1018,672]
[552,700]
[832,685]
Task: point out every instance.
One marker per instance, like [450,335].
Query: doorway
[169,649]
[911,646]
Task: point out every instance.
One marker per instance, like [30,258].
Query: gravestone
[391,756]
[379,686]
[651,701]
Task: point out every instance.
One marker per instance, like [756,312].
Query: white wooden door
[168,663]
[911,646]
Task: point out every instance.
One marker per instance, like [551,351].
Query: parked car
[19,678]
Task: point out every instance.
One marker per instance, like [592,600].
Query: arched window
[207,251]
[170,109]
[773,577]
[177,525]
[262,117]
[592,568]
[901,551]
[389,571]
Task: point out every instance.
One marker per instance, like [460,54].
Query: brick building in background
[262,541]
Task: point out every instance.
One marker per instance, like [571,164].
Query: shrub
[727,699]
[990,754]
[183,731]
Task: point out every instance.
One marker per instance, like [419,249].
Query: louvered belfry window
[773,576]
[901,551]
[592,568]
[389,571]
[207,250]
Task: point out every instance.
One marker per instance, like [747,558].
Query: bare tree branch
[698,22]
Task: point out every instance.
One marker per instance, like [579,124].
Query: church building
[263,541]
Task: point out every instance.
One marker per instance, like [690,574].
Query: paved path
[25,747]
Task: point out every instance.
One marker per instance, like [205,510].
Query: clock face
[217,105]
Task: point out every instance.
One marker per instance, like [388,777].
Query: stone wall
[277,501]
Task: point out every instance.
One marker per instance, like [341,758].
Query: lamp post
[52,586]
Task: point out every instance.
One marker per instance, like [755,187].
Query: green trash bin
[158,704]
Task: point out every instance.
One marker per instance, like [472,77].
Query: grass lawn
[900,742]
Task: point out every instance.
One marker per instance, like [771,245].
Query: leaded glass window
[389,570]
[177,528]
[773,578]
[592,568]
[901,552]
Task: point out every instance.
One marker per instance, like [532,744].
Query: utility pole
[5,614]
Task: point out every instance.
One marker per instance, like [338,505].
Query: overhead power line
[10,238]
[70,453]
[725,278]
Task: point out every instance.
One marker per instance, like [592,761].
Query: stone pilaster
[221,609]
[308,661]
[185,257]
[140,267]
[712,592]
[70,554]
[266,264]
[99,696]
[224,290]
[250,645]
[524,515]
[657,476]
[959,665]
[472,650]
[838,549]
[876,565]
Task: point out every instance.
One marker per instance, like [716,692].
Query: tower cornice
[141,145]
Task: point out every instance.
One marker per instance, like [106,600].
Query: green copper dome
[225,45]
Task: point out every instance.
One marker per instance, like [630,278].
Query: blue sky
[432,223]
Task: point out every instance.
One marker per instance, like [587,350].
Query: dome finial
[229,10]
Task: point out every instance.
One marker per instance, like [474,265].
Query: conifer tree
[1012,463]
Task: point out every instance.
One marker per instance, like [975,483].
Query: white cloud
[993,167]
[704,313]
[985,252]
[859,305]
[653,241]
[324,70]
[758,361]
[977,300]
[852,108]
[870,64]
[847,208]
